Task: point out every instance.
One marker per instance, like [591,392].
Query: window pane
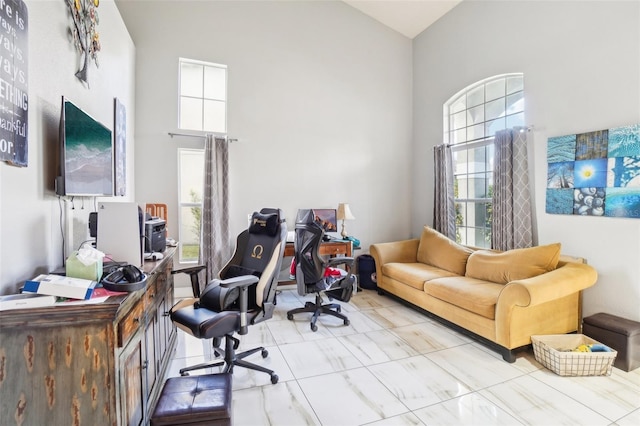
[477,159]
[215,83]
[214,116]
[459,120]
[515,103]
[495,89]
[462,190]
[460,162]
[191,175]
[495,109]
[458,105]
[515,120]
[475,96]
[189,233]
[475,115]
[475,132]
[459,136]
[479,219]
[190,114]
[477,185]
[514,84]
[190,79]
[493,126]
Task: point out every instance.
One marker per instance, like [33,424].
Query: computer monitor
[328,219]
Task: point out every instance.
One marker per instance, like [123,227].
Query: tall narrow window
[471,119]
[202,107]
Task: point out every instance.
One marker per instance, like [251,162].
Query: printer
[155,235]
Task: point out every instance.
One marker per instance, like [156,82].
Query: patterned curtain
[512,215]
[215,245]
[444,213]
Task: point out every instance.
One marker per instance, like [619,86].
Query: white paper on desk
[91,301]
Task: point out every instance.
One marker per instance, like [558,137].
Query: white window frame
[201,131]
[201,96]
[468,126]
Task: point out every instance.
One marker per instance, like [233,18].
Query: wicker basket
[554,351]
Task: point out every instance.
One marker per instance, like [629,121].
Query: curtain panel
[444,212]
[512,215]
[215,245]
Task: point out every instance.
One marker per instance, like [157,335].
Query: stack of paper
[25,300]
[61,286]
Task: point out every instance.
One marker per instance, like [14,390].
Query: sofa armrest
[404,251]
[567,279]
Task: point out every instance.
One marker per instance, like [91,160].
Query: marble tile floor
[394,366]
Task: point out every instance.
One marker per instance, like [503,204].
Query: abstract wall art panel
[595,173]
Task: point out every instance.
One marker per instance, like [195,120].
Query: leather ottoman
[620,334]
[194,400]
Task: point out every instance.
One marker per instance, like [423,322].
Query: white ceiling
[408,17]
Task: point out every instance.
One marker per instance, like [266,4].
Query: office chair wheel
[314,327]
[290,317]
[338,308]
[274,379]
[265,353]
[346,322]
[217,341]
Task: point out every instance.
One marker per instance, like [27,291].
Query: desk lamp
[344,213]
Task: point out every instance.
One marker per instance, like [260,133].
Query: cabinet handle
[136,319]
[166,314]
[145,365]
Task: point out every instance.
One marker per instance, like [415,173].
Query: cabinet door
[151,370]
[132,382]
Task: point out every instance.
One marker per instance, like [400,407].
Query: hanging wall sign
[595,173]
[14,98]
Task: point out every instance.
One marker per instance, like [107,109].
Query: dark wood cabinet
[91,364]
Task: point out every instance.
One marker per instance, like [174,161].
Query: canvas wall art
[595,173]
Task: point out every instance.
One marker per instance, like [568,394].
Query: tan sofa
[501,298]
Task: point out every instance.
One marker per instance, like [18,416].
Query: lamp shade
[344,212]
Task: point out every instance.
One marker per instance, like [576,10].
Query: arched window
[471,119]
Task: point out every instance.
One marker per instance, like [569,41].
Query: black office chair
[311,272]
[243,296]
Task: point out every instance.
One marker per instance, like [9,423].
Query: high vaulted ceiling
[408,17]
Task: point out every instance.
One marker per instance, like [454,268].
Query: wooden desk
[327,248]
[100,364]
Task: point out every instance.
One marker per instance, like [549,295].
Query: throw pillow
[437,250]
[516,264]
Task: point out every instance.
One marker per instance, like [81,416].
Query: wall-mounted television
[86,155]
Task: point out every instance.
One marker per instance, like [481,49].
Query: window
[471,119]
[203,96]
[202,106]
[190,186]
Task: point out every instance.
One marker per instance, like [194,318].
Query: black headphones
[125,278]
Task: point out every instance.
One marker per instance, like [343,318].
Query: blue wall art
[595,173]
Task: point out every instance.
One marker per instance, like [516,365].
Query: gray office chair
[311,268]
[243,296]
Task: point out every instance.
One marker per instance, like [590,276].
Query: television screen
[327,218]
[87,153]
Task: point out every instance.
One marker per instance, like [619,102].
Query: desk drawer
[332,249]
[131,323]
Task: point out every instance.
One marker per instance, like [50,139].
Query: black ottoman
[194,400]
[620,334]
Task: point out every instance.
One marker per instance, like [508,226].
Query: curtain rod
[188,135]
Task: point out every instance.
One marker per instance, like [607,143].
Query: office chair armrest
[242,282]
[332,261]
[193,272]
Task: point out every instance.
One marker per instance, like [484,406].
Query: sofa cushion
[516,264]
[471,294]
[437,250]
[413,274]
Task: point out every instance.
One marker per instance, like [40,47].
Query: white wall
[581,64]
[319,98]
[30,237]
